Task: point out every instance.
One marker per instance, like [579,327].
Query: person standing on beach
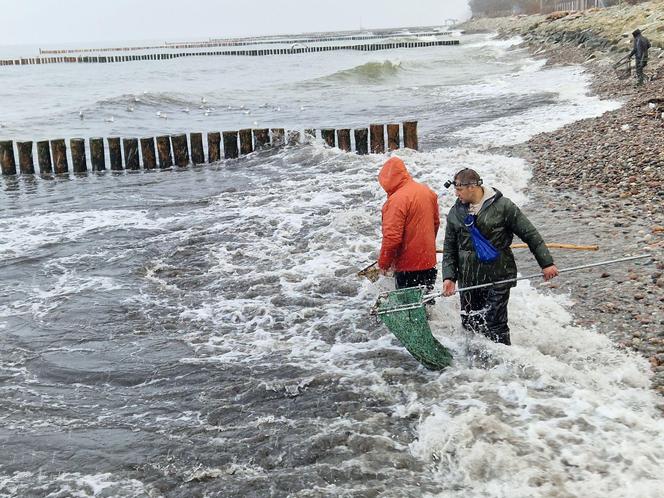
[640,50]
[497,219]
[410,226]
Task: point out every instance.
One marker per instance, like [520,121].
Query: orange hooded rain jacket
[410,220]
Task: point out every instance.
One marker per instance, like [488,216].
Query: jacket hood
[393,175]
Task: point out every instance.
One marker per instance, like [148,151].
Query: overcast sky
[50,22]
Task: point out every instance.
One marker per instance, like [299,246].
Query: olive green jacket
[499,219]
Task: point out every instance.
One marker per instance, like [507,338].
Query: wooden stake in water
[115,153]
[164,150]
[343,139]
[59,152]
[25,160]
[377,132]
[7,159]
[197,154]
[214,146]
[230,144]
[148,153]
[410,135]
[78,159]
[362,141]
[44,157]
[97,156]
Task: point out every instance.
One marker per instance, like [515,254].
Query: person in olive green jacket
[498,219]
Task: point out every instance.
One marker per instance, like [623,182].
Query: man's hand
[550,272]
[449,286]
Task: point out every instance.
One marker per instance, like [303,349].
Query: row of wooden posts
[173,150]
[241,42]
[87,59]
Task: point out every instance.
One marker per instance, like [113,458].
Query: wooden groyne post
[230,144]
[126,153]
[97,156]
[25,161]
[59,154]
[410,135]
[115,153]
[7,158]
[78,159]
[44,157]
[180,150]
[130,146]
[148,153]
[197,154]
[214,146]
[361,141]
[164,151]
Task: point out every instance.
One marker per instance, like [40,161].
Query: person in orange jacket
[410,225]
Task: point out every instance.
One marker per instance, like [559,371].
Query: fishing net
[411,326]
[623,70]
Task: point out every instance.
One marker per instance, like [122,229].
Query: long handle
[551,245]
[429,297]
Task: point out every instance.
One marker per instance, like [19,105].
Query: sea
[202,331]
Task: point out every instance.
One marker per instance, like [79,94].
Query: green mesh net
[412,327]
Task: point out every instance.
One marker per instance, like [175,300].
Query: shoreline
[602,180]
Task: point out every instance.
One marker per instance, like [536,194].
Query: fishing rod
[429,297]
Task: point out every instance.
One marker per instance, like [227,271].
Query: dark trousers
[485,311]
[405,279]
[639,71]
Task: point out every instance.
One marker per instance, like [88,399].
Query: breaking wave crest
[371,72]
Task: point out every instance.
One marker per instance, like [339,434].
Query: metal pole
[429,297]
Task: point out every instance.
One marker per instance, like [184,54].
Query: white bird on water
[110,120]
[203,100]
[302,108]
[186,109]
[136,99]
[247,112]
[130,108]
[161,115]
[80,114]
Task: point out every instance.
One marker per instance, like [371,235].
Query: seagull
[242,106]
[136,99]
[186,109]
[247,112]
[278,109]
[161,115]
[208,112]
[110,120]
[80,114]
[130,108]
[230,108]
[302,108]
[203,101]
[255,123]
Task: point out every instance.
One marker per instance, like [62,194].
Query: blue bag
[484,250]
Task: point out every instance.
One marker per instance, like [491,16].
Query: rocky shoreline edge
[601,181]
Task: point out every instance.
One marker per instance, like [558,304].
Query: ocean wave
[370,72]
[150,99]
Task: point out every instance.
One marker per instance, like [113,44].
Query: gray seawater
[201,332]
